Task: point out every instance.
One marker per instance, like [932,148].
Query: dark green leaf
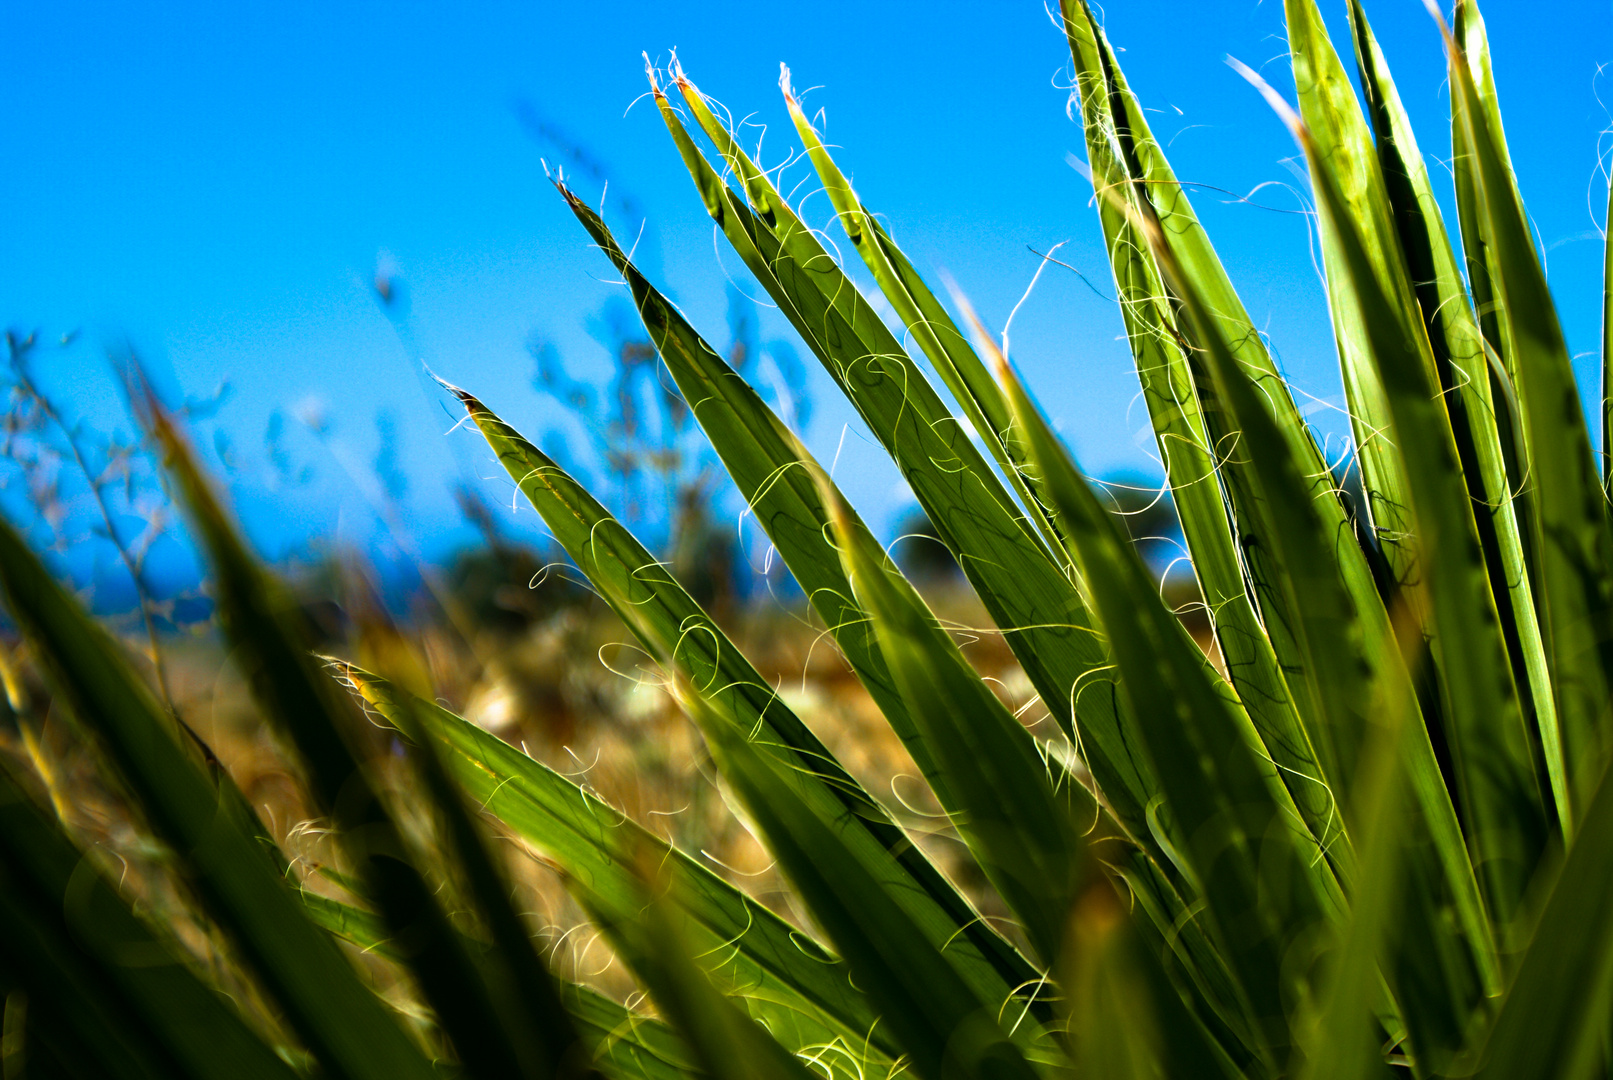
[82,954]
[344,1026]
[1022,586]
[685,641]
[774,473]
[271,643]
[1019,814]
[1571,548]
[800,991]
[946,1029]
[1246,849]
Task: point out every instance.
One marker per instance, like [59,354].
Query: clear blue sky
[214,183]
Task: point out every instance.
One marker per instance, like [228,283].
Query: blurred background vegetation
[504,630]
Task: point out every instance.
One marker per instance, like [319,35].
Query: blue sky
[215,184]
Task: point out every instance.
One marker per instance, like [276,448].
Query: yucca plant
[1364,832]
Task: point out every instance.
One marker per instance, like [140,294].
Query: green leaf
[787,980]
[770,467]
[1478,256]
[1567,520]
[1501,795]
[929,323]
[944,1026]
[1335,600]
[1372,286]
[271,642]
[1343,142]
[1344,1042]
[1246,849]
[1020,815]
[728,1044]
[1161,196]
[1319,604]
[1126,1018]
[519,985]
[1465,376]
[1196,965]
[774,473]
[343,1025]
[626,1045]
[83,955]
[1553,1021]
[685,641]
[1022,586]
[1150,175]
[1165,370]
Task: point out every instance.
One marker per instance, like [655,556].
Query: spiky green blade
[727,1044]
[1474,44]
[1372,281]
[344,1026]
[115,972]
[1151,176]
[1328,700]
[1304,593]
[626,1045]
[684,639]
[1022,587]
[1395,396]
[1190,473]
[1393,914]
[1571,546]
[1501,794]
[1161,195]
[1343,1043]
[1553,1021]
[1019,814]
[924,316]
[1248,853]
[1607,357]
[770,467]
[1328,103]
[519,986]
[790,983]
[945,1027]
[1303,555]
[1478,258]
[271,642]
[1465,376]
[1194,962]
[773,471]
[1190,458]
[1014,808]
[1272,502]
